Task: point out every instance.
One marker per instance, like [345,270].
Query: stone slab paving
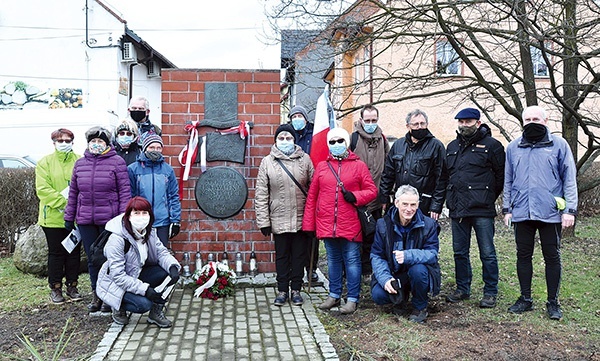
[246,326]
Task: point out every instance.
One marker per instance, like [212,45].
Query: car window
[12,163]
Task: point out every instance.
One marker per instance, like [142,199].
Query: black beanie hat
[286,128]
[98,132]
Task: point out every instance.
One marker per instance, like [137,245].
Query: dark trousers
[153,275]
[290,258]
[60,262]
[89,233]
[550,234]
[367,243]
[312,245]
[163,234]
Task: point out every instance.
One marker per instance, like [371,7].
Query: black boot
[96,303]
[56,295]
[157,316]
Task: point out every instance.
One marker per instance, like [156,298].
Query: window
[362,65]
[540,69]
[447,61]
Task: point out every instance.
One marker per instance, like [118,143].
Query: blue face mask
[370,128]
[298,123]
[125,140]
[286,147]
[96,148]
[338,149]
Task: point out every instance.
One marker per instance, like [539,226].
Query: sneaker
[56,296]
[120,317]
[521,305]
[418,316]
[281,299]
[73,293]
[297,298]
[488,301]
[157,316]
[457,296]
[553,310]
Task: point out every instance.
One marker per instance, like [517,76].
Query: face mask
[419,133]
[467,132]
[534,132]
[137,115]
[96,148]
[153,155]
[298,123]
[286,147]
[370,128]
[64,147]
[125,140]
[139,222]
[338,149]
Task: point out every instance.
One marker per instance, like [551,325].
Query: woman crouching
[137,262]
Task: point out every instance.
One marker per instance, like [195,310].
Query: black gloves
[69,225]
[154,296]
[174,229]
[349,197]
[266,231]
[174,274]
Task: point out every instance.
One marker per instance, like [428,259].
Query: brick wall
[258,102]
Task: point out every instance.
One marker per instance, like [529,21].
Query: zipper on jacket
[337,185]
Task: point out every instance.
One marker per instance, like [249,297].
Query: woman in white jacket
[137,262]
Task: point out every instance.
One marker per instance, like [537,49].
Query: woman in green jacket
[52,177]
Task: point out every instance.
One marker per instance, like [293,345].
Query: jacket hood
[115,225]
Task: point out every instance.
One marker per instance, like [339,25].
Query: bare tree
[501,55]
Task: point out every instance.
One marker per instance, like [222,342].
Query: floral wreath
[215,279]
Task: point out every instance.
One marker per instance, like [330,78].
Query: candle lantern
[211,257]
[253,264]
[186,265]
[198,261]
[225,259]
[238,263]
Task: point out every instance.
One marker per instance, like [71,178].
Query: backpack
[96,256]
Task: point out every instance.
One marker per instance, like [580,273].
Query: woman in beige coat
[279,203]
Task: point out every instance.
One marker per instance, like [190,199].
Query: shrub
[18,203]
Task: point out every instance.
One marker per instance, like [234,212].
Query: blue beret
[468,113]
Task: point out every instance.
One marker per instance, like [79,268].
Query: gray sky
[227,34]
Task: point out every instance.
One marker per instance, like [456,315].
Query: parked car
[15,161]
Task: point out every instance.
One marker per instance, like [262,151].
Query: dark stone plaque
[221,192]
[220,101]
[227,147]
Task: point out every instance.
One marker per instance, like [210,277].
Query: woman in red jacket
[330,211]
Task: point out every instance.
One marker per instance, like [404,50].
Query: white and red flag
[324,121]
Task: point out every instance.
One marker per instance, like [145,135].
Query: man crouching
[405,256]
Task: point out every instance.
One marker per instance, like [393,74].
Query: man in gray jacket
[540,194]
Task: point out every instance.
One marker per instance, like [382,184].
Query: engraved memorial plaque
[221,101]
[221,192]
[228,147]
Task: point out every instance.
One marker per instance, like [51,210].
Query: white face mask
[139,222]
[63,147]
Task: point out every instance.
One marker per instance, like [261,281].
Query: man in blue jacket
[404,256]
[540,195]
[154,179]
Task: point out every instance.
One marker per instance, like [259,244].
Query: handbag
[368,223]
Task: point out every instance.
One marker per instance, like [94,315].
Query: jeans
[89,233]
[60,262]
[461,243]
[340,253]
[290,257]
[550,241]
[153,275]
[415,281]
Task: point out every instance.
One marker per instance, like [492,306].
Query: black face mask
[153,155]
[534,132]
[419,134]
[137,115]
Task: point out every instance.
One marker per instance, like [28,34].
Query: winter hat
[149,139]
[98,132]
[285,128]
[128,125]
[468,113]
[299,110]
[339,132]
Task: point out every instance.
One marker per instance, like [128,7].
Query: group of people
[405,187]
[121,184]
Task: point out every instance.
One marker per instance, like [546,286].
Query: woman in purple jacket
[99,190]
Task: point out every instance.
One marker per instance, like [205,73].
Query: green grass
[20,290]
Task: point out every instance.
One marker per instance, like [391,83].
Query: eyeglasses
[418,125]
[333,141]
[123,132]
[288,138]
[63,140]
